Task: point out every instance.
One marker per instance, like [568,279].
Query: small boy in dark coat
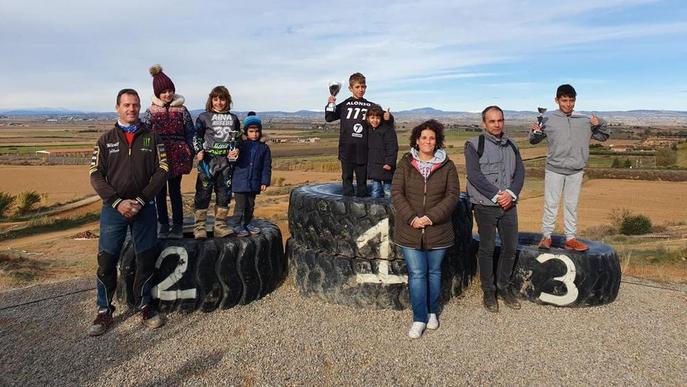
[382,147]
[252,174]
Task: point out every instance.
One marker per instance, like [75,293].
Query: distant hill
[630,117]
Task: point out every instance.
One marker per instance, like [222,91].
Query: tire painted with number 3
[562,277]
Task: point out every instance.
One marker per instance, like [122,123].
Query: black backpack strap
[515,150]
[480,146]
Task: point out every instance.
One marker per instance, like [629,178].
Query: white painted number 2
[568,279]
[160,291]
[357,112]
[382,276]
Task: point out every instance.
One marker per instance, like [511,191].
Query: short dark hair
[356,78]
[127,91]
[486,110]
[566,91]
[218,91]
[433,125]
[376,111]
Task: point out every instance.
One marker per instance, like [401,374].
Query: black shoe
[102,321]
[509,299]
[177,232]
[490,302]
[151,318]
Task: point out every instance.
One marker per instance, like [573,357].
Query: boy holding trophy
[352,134]
[567,134]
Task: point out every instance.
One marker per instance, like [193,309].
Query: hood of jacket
[178,100]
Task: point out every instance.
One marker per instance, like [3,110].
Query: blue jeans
[113,230]
[424,280]
[381,188]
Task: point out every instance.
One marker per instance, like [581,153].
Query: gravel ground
[285,339]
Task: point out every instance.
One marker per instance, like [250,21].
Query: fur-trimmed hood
[178,100]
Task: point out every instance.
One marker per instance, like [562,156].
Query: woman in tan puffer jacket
[424,194]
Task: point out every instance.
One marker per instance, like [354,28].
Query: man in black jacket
[128,169]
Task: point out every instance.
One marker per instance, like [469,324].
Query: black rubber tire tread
[331,278]
[597,271]
[225,272]
[207,280]
[323,219]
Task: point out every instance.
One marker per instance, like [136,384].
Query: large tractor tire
[565,278]
[205,275]
[341,249]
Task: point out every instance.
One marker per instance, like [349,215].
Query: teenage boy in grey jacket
[495,177]
[568,135]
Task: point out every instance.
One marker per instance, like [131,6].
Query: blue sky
[279,55]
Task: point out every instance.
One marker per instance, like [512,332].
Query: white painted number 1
[568,279]
[160,291]
[382,276]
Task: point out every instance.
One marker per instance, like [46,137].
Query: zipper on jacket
[424,201]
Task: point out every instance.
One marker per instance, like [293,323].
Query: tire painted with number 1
[341,250]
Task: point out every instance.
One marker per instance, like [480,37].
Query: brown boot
[199,226]
[221,229]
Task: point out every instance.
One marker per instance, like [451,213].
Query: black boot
[509,299]
[490,302]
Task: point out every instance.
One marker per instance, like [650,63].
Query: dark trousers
[347,170]
[489,220]
[174,184]
[113,230]
[245,205]
[220,182]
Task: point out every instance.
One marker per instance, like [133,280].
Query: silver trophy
[334,88]
[540,117]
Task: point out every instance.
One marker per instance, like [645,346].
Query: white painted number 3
[568,279]
[160,291]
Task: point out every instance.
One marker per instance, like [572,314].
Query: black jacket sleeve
[391,146]
[518,176]
[98,171]
[332,116]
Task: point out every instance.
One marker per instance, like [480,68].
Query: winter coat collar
[502,141]
[439,156]
[177,101]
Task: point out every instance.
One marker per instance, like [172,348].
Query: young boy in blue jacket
[252,173]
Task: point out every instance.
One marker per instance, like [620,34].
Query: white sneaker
[416,330]
[433,322]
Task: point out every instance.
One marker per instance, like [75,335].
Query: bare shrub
[617,216]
